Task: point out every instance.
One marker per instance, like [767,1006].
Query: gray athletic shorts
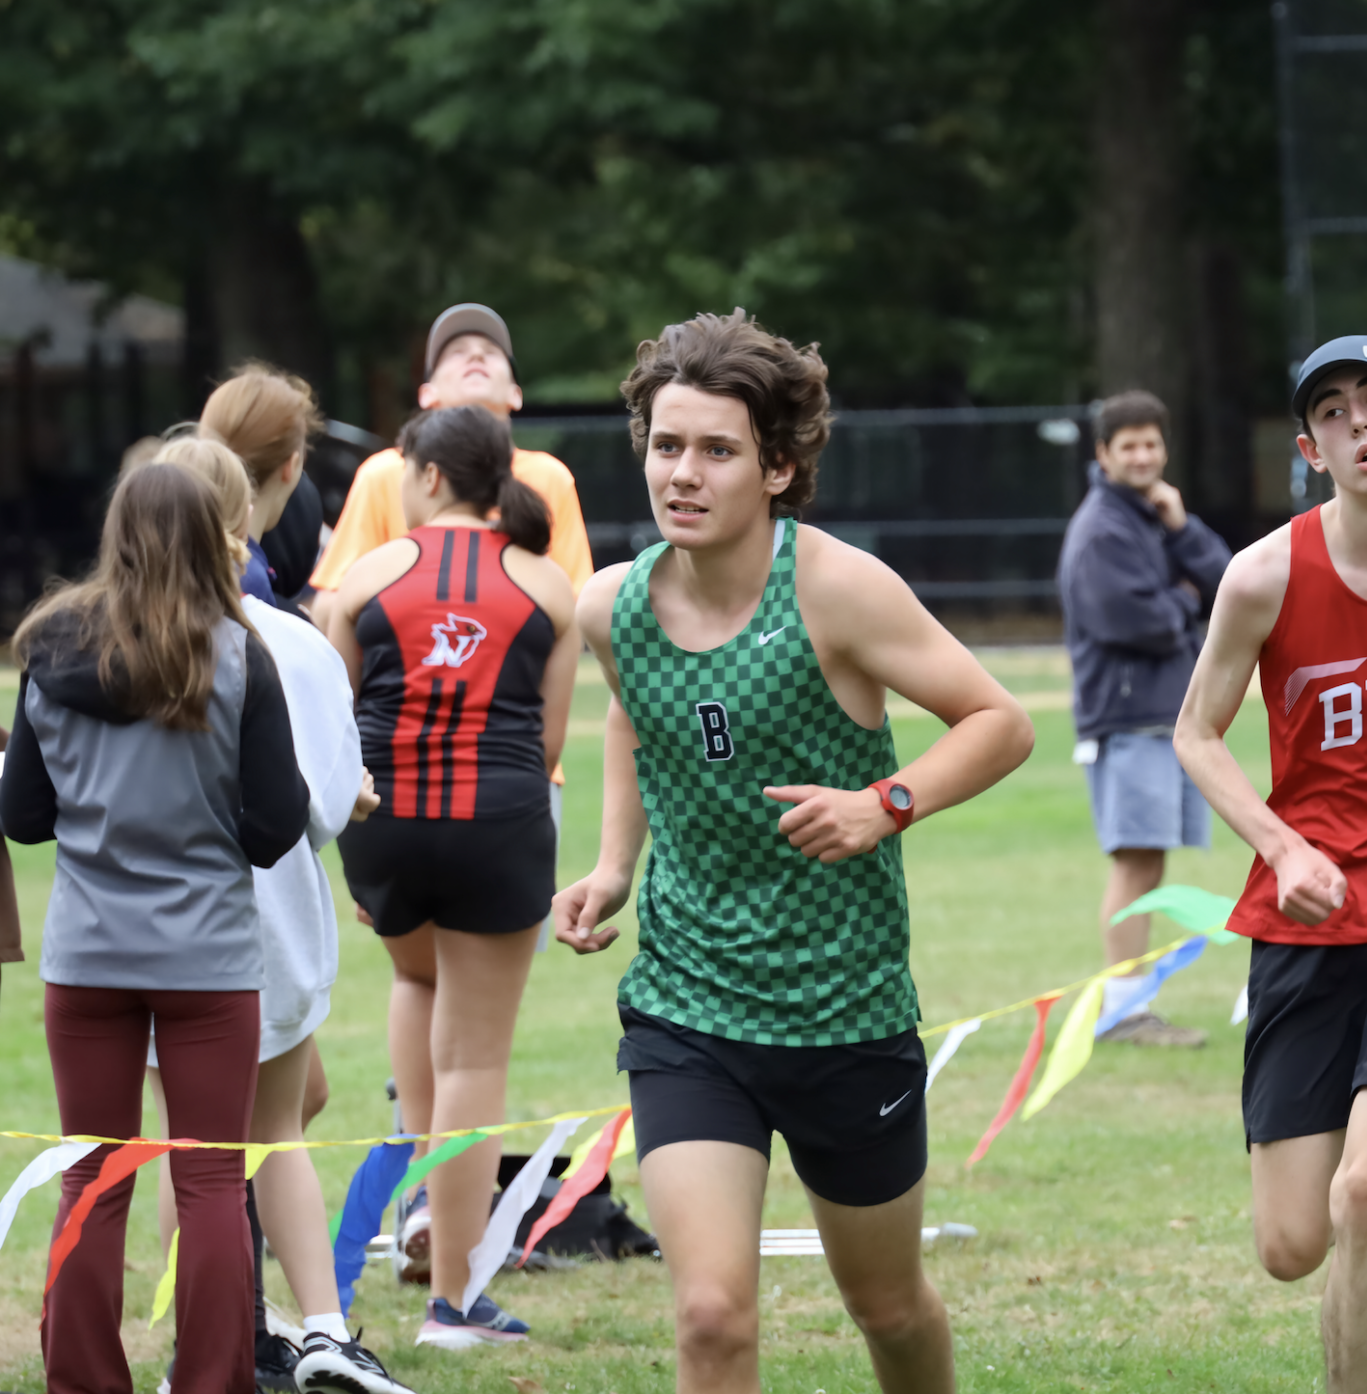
[1142,797]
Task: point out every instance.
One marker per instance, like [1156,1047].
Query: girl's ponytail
[523,515]
[474,450]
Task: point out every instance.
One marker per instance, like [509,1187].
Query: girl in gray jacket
[152,740]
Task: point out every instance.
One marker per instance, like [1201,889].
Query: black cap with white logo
[1350,351]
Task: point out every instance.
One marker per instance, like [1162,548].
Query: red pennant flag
[1016,1093]
[595,1168]
[118,1164]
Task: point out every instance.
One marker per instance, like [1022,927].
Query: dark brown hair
[263,416]
[162,583]
[783,388]
[1130,409]
[473,449]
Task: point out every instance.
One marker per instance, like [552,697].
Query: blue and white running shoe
[487,1324]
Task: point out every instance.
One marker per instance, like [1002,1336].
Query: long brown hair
[162,583]
[263,416]
[213,461]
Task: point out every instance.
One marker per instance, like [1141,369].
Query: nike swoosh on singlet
[773,634]
[888,1108]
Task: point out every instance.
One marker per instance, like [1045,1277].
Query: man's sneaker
[452,1330]
[415,1240]
[1150,1029]
[276,1359]
[346,1366]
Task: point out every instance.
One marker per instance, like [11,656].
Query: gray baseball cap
[1348,351]
[467,319]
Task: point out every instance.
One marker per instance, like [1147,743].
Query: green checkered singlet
[741,935]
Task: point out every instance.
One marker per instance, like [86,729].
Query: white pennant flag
[41,1169]
[1240,1007]
[953,1040]
[518,1197]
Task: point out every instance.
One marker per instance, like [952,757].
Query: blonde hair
[162,584]
[225,474]
[264,415]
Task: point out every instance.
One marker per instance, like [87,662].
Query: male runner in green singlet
[749,659]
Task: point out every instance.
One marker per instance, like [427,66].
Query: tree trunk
[1140,271]
[264,290]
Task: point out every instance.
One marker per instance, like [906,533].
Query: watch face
[899,796]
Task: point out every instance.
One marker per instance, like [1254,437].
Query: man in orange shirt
[469,363]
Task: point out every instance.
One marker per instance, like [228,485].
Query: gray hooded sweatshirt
[157,830]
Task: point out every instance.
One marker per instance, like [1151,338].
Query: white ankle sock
[330,1324]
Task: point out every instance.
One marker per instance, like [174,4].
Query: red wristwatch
[896,799]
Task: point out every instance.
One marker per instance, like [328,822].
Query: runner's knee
[890,1314]
[715,1324]
[1288,1255]
[1348,1202]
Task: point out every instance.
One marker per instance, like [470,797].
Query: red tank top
[449,710]
[1313,668]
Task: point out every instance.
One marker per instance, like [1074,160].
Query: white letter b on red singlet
[1342,726]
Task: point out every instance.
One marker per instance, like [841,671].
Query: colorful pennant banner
[389,1167]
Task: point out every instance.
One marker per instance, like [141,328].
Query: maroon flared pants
[206,1046]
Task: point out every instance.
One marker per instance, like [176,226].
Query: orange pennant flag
[569,1195]
[118,1164]
[1020,1084]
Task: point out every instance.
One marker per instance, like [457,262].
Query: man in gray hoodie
[1136,573]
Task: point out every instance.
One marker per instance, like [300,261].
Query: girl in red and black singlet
[462,648]
[450,701]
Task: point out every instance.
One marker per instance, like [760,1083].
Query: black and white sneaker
[347,1366]
[275,1361]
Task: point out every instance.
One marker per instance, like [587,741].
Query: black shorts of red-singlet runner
[453,655]
[1305,1054]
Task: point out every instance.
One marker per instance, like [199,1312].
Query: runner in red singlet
[1295,605]
[462,647]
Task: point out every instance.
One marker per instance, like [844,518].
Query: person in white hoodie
[299,940]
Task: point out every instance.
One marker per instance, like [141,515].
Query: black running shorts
[853,1116]
[1305,1055]
[483,876]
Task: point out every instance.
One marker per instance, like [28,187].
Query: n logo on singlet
[454,642]
[716,731]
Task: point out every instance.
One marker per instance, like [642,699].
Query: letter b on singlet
[716,731]
[1342,725]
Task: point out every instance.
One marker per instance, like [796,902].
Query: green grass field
[1115,1250]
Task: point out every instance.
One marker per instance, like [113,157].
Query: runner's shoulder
[842,580]
[596,600]
[1256,577]
[371,572]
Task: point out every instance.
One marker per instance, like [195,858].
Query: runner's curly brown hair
[783,387]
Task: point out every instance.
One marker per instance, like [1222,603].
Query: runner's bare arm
[580,908]
[545,581]
[1309,886]
[872,634]
[366,578]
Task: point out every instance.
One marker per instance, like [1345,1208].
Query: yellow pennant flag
[626,1140]
[256,1154]
[1073,1049]
[166,1289]
[581,1154]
